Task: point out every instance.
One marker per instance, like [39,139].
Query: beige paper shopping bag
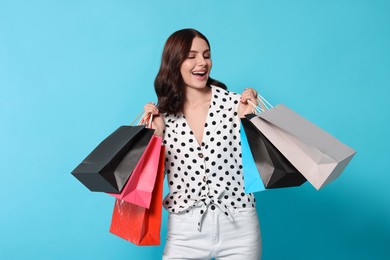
[319,156]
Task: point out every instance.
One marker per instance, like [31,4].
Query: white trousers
[219,237]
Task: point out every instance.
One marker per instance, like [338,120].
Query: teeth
[198,73]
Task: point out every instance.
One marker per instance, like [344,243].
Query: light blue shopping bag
[252,179]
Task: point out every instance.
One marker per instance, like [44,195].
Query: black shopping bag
[98,171]
[275,170]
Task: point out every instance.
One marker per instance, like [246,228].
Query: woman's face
[195,69]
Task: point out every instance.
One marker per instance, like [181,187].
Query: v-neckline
[200,144]
[192,132]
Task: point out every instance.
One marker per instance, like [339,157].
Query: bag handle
[146,121]
[150,121]
[263,104]
[263,101]
[256,107]
[136,118]
[142,120]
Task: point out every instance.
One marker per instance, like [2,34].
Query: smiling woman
[210,215]
[177,52]
[196,68]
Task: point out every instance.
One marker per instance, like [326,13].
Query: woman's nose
[201,60]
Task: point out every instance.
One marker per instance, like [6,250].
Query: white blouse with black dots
[206,175]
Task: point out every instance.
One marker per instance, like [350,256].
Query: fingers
[249,94]
[149,109]
[254,92]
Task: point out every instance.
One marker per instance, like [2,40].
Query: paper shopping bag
[275,170]
[319,156]
[138,189]
[98,171]
[252,180]
[137,224]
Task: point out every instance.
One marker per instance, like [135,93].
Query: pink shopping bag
[139,188]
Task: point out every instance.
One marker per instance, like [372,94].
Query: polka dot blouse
[204,176]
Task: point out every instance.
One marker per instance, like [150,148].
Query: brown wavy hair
[169,82]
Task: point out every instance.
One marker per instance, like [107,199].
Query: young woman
[210,216]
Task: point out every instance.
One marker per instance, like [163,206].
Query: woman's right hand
[158,123]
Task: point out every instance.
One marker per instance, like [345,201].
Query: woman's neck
[196,97]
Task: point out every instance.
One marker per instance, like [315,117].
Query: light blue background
[73,71]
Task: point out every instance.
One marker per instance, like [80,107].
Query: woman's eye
[205,56]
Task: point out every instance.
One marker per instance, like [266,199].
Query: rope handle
[264,101]
[263,104]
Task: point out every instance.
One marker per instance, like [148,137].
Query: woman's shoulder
[169,118]
[225,99]
[224,93]
[172,120]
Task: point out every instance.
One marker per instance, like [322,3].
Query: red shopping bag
[138,189]
[137,224]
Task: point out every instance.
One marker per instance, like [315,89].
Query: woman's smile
[196,68]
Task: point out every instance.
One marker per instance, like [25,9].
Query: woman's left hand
[244,107]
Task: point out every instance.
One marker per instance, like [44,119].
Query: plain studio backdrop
[71,72]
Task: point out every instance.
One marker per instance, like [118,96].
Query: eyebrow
[198,52]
